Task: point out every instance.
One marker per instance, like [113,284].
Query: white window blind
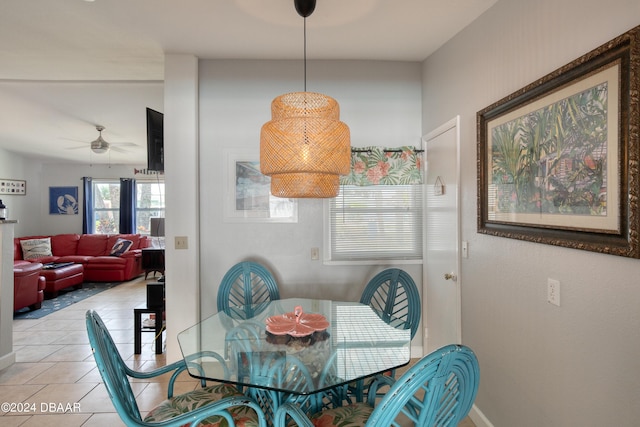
[378,222]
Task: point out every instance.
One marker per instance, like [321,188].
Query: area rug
[65,298]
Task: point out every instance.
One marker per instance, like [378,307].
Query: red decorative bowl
[297,323]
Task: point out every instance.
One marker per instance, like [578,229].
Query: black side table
[139,329]
[152,261]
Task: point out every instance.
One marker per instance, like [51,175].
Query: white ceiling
[69,65]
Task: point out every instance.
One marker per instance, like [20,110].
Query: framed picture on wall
[558,159]
[63,200]
[248,195]
[14,187]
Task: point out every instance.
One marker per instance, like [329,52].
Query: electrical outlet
[181,242]
[315,254]
[553,292]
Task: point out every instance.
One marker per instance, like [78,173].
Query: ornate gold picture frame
[558,159]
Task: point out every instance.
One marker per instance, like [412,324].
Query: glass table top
[357,344]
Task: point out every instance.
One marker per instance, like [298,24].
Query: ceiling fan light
[99,146]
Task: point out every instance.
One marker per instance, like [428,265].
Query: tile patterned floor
[55,373]
[55,370]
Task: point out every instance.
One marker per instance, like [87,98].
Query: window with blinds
[375,223]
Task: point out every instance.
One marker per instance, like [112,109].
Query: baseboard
[7,360]
[478,417]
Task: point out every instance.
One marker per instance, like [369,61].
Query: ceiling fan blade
[124,144]
[118,149]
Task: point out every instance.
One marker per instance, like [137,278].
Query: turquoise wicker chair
[438,391]
[393,295]
[219,405]
[291,371]
[246,289]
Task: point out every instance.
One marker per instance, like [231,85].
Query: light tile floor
[55,373]
[55,370]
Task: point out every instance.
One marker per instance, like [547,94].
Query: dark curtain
[127,205]
[87,205]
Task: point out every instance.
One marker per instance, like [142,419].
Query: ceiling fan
[101,146]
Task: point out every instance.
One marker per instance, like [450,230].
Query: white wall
[541,365]
[182,267]
[7,356]
[20,208]
[32,210]
[70,175]
[379,101]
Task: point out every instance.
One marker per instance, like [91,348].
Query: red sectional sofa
[28,285]
[93,252]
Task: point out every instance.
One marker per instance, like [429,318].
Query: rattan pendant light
[305,147]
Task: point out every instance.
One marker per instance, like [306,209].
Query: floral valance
[384,166]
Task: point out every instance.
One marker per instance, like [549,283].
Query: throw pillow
[121,246]
[36,248]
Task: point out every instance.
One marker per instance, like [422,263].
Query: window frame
[162,199]
[96,210]
[328,253]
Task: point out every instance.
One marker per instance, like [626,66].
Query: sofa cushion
[144,242]
[93,245]
[76,259]
[64,244]
[36,248]
[106,262]
[17,250]
[121,246]
[26,268]
[135,240]
[20,262]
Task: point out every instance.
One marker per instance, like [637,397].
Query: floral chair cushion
[243,416]
[355,415]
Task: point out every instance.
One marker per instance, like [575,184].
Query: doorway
[441,269]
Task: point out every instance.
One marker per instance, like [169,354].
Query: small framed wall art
[248,197]
[16,187]
[63,200]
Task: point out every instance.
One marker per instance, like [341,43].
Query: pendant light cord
[305,53]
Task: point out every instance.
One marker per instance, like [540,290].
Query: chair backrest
[437,391]
[246,284]
[393,294]
[291,371]
[112,369]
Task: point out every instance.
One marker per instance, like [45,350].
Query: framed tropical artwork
[248,195]
[558,159]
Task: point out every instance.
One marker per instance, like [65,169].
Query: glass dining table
[301,350]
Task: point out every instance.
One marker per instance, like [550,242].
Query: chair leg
[137,332]
[158,332]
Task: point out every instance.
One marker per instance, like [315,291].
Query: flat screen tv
[155,140]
